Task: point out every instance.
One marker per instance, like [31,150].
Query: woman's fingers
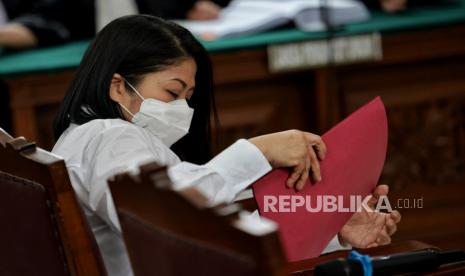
[372,201]
[383,238]
[316,142]
[293,178]
[391,223]
[303,178]
[391,227]
[311,163]
[296,174]
[396,216]
[315,165]
[381,190]
[293,149]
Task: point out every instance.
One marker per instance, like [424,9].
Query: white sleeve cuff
[240,165]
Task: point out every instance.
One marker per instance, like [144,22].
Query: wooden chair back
[170,232]
[46,174]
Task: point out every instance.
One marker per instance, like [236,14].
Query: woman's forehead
[182,72]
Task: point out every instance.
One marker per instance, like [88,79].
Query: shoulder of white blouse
[108,132]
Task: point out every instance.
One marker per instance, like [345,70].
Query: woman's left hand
[370,228]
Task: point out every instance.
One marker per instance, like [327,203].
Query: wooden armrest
[305,267]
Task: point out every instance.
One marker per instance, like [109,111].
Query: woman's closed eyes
[172,93]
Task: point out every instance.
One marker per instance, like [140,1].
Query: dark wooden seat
[43,231]
[28,232]
[176,233]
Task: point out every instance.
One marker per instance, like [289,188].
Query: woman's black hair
[133,46]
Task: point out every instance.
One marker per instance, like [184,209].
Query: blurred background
[282,64]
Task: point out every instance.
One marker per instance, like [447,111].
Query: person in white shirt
[143,92]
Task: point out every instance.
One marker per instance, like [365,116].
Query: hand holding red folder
[356,150]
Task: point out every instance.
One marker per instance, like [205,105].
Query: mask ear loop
[137,93]
[127,110]
[134,89]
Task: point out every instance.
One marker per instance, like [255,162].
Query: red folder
[356,150]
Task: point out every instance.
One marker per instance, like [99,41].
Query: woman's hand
[204,10]
[370,228]
[295,149]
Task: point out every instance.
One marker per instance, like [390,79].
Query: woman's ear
[117,89]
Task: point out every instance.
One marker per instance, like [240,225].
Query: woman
[133,100]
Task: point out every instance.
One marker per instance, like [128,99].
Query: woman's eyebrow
[184,85]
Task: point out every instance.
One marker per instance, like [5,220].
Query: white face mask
[168,121]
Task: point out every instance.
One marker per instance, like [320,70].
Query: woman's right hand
[294,149]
